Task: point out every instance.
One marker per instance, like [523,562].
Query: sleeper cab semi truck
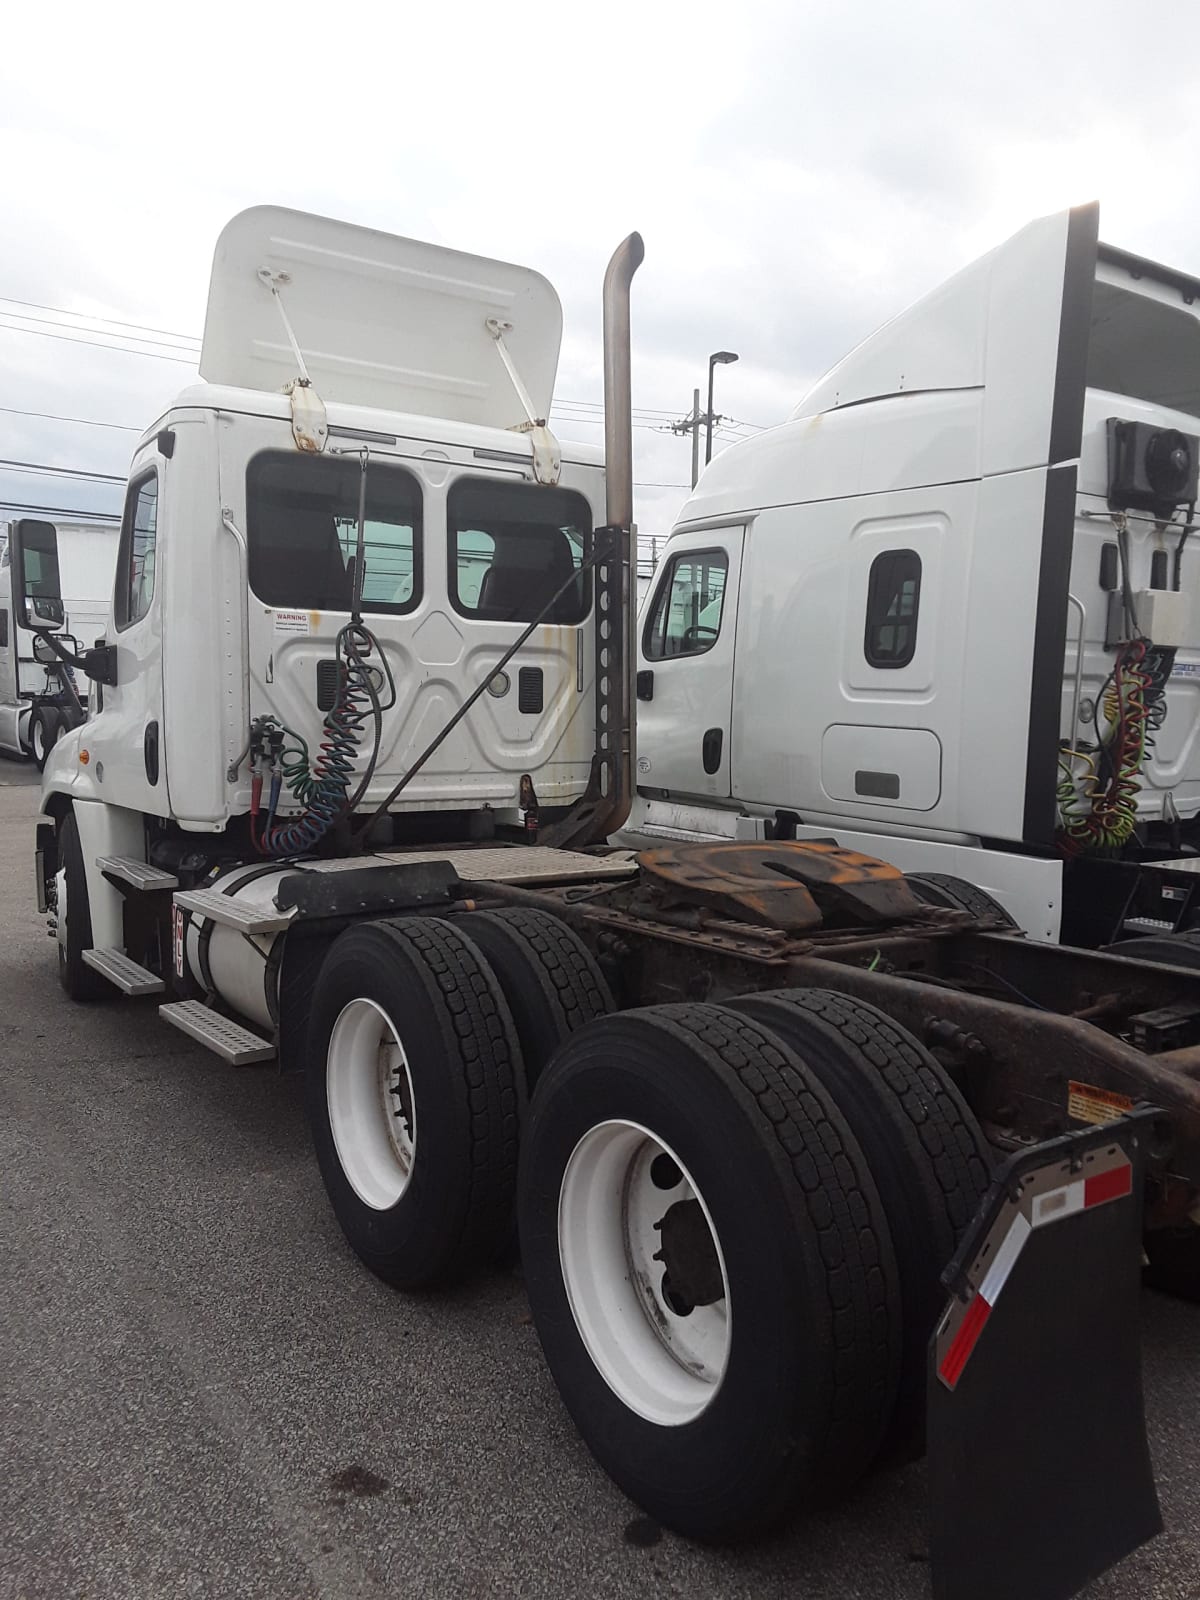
[947,613]
[362,724]
[40,696]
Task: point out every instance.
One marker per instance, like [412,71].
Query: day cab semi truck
[947,613]
[806,1171]
[40,696]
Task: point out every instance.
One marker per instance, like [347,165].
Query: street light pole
[718,358]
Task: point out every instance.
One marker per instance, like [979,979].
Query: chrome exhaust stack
[618,381]
[605,806]
[616,590]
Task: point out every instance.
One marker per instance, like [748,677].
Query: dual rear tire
[732,1219]
[421,1048]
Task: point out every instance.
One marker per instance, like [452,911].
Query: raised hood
[1014,324]
[380,320]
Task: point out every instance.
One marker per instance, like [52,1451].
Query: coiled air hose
[1101,811]
[322,787]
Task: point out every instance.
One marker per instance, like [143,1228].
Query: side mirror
[36,587]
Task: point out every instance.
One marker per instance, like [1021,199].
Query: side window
[513,546]
[893,601]
[686,619]
[135,556]
[3,629]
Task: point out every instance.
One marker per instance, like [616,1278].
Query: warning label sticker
[1086,1103]
[293,622]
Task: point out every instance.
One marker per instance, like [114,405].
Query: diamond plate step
[139,873]
[123,971]
[225,1038]
[223,909]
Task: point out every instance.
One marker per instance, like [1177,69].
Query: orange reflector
[84,757]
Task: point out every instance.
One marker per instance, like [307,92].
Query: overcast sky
[799,172]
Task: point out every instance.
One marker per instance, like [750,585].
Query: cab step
[224,910]
[123,971]
[138,873]
[222,1035]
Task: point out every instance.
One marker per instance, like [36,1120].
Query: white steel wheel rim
[372,1108]
[37,739]
[60,911]
[662,1364]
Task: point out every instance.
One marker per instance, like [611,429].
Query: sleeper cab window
[893,601]
[302,533]
[136,554]
[686,618]
[513,546]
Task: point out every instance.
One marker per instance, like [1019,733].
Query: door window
[136,555]
[893,600]
[686,619]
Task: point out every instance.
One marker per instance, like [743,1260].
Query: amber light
[84,758]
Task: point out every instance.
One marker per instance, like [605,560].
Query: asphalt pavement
[203,1393]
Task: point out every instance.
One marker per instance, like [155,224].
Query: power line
[85,422]
[130,350]
[87,316]
[43,470]
[54,322]
[62,511]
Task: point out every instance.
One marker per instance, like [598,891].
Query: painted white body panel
[391,323]
[223,660]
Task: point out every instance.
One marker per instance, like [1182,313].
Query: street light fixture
[719,358]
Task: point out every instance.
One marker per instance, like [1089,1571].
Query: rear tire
[414,1094]
[718,1427]
[44,729]
[927,1152]
[549,977]
[74,917]
[956,894]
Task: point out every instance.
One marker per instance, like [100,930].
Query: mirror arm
[99,663]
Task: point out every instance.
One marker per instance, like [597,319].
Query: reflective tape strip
[1112,1185]
[1065,1201]
[963,1343]
[1007,1254]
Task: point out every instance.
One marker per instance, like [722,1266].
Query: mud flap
[1039,1469]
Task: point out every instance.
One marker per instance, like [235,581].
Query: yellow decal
[1086,1103]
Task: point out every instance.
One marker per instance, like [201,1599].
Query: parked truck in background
[363,725]
[40,697]
[946,613]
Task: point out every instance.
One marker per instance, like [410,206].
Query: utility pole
[693,425]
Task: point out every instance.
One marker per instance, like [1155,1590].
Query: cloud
[800,172]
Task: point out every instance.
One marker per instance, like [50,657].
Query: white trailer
[363,723]
[946,613]
[35,706]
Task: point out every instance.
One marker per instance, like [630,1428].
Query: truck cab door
[685,666]
[124,738]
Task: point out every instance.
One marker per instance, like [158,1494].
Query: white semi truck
[804,1168]
[947,612]
[40,698]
